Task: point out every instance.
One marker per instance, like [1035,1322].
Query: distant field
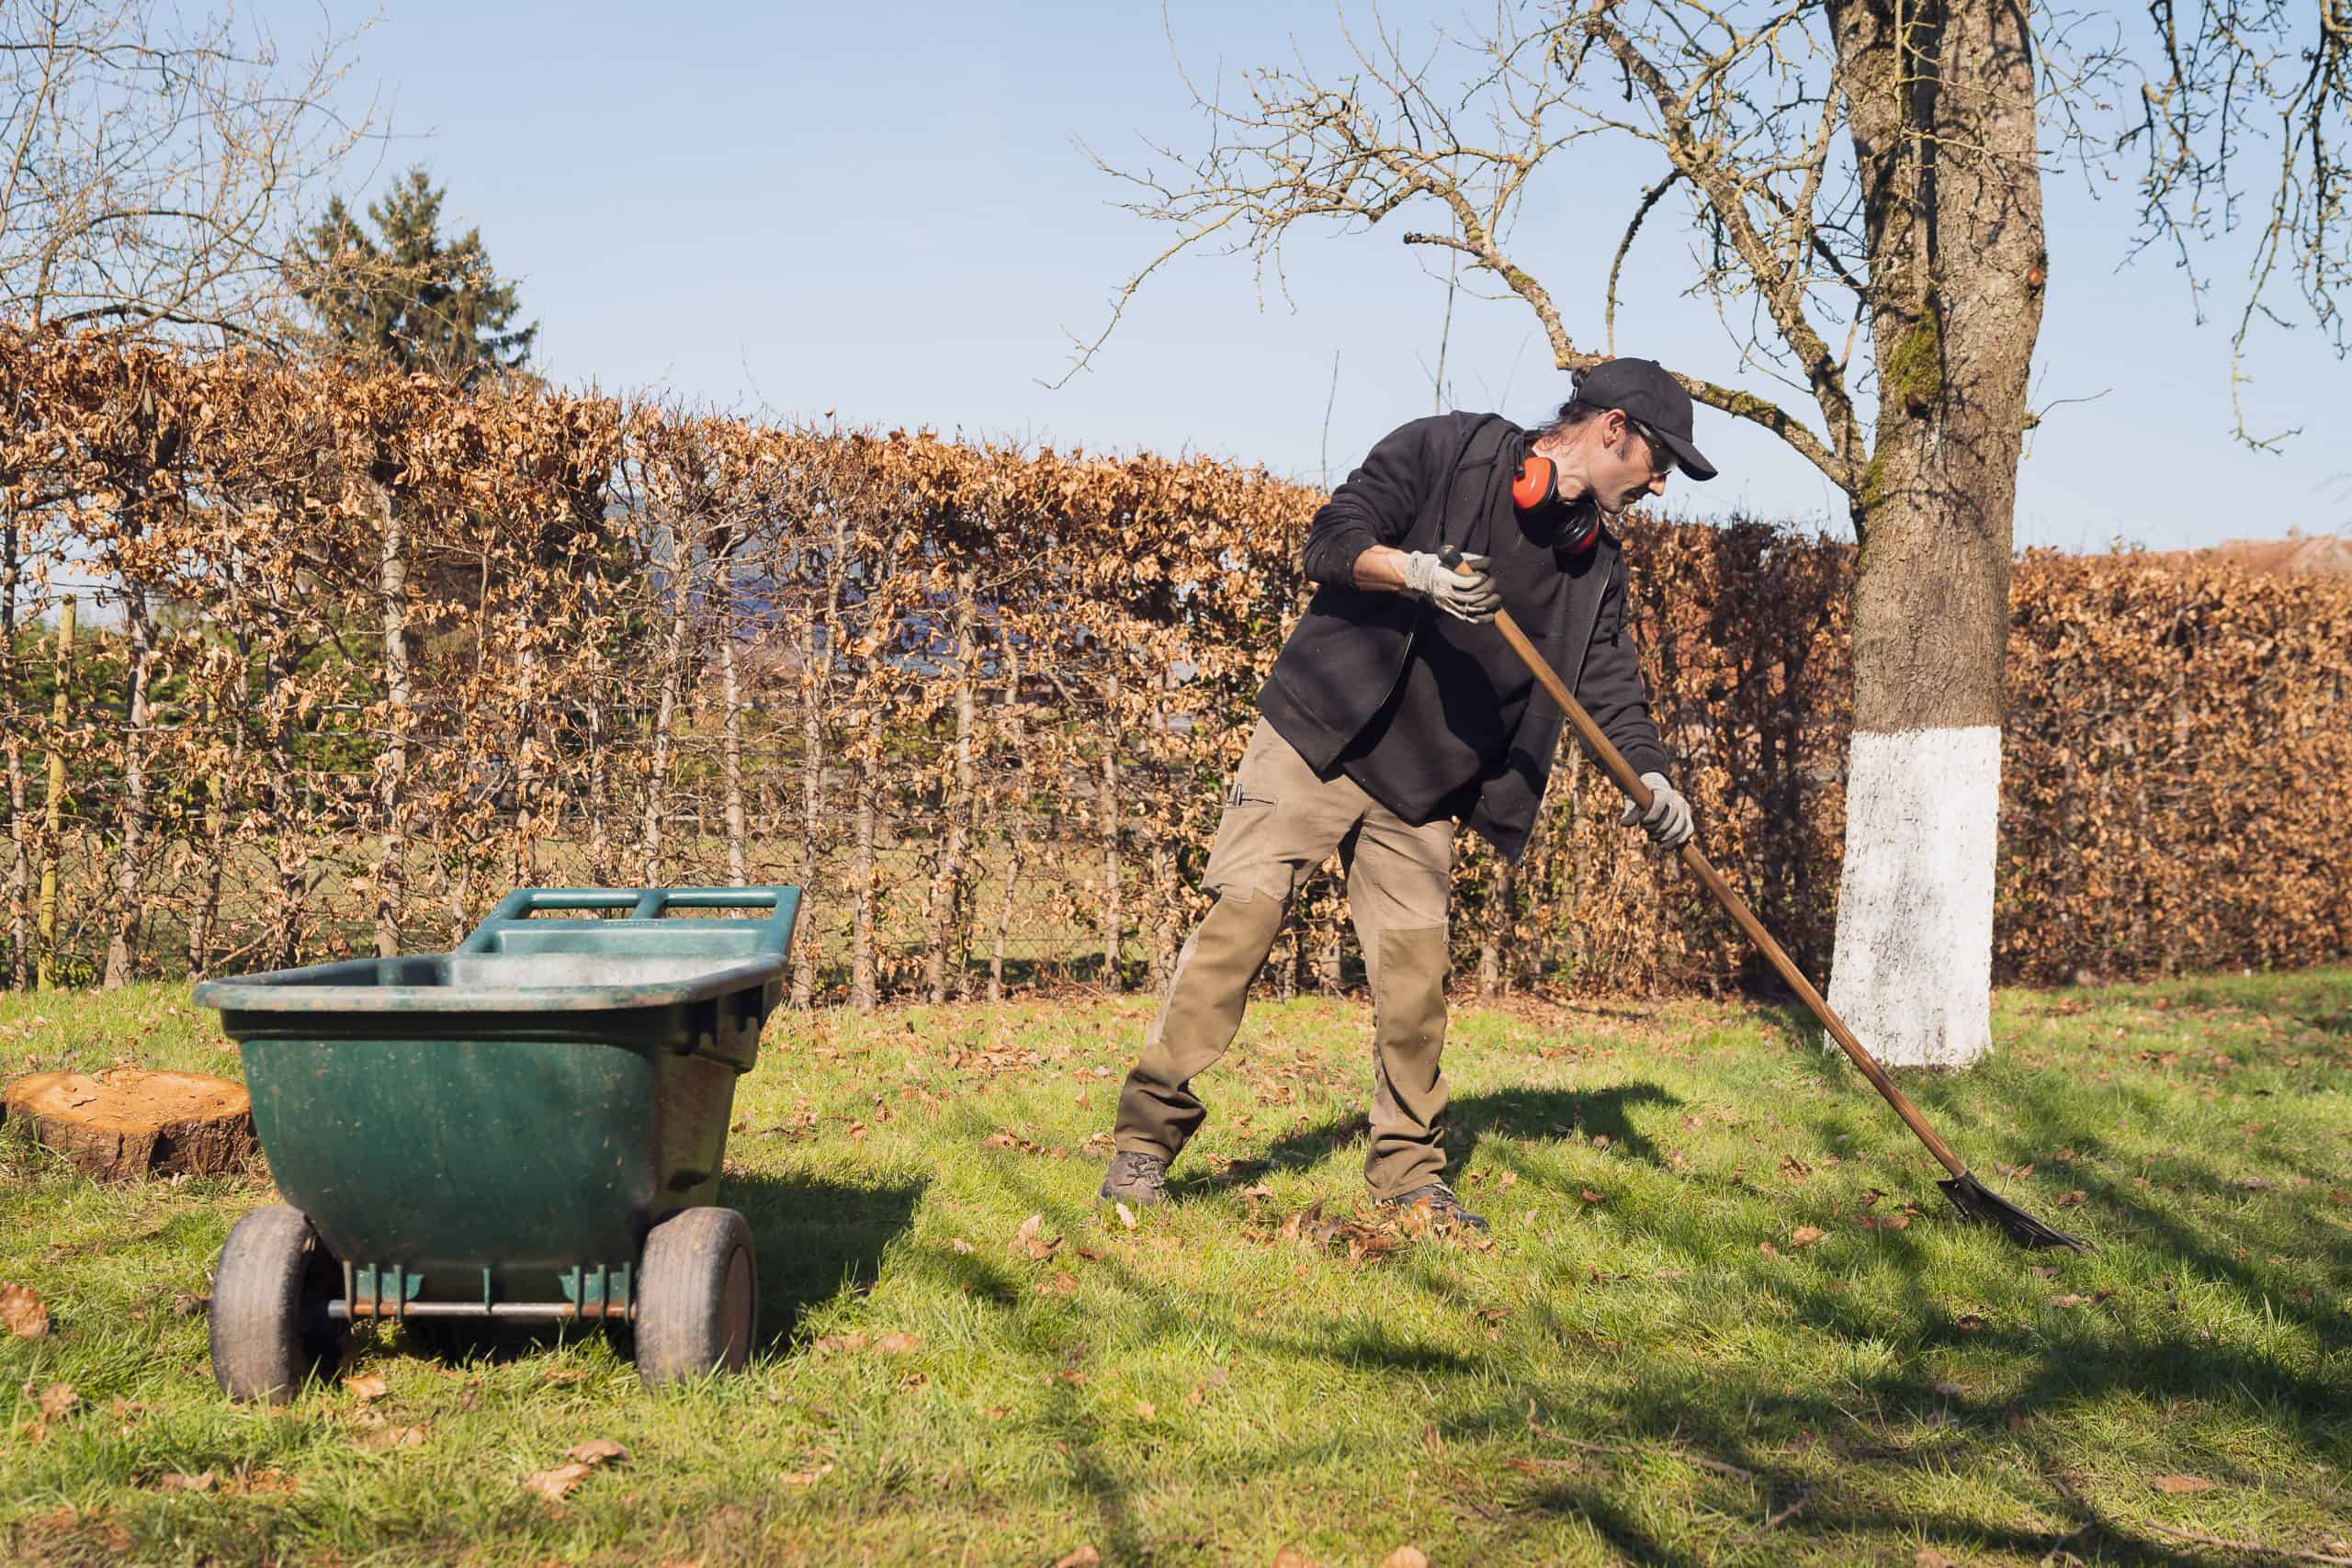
[1656,1361]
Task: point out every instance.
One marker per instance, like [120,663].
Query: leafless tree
[153,165]
[1862,181]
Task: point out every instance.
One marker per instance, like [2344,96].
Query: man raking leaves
[1384,724]
[1394,712]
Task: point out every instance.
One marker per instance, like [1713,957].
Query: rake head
[1981,1203]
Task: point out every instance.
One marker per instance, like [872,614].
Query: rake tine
[1987,1207]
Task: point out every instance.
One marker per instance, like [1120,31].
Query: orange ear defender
[1537,483]
[1537,490]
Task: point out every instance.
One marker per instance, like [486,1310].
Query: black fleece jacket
[1435,482]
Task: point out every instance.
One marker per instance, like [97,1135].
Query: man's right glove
[1668,821]
[1468,595]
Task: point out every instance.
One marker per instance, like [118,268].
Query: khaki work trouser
[1280,823]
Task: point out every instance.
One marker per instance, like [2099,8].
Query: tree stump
[129,1123]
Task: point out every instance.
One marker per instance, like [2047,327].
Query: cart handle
[645,903]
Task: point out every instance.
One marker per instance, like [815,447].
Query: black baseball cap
[1643,390]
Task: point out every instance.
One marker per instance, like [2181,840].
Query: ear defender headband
[1536,494]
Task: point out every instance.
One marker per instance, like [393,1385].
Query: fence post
[55,821]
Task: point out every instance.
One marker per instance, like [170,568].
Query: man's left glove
[1464,591]
[1668,821]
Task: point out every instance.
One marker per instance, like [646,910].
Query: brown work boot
[1136,1180]
[1446,1212]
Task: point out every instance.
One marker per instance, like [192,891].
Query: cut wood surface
[129,1123]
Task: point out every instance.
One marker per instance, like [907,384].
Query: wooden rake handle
[1622,772]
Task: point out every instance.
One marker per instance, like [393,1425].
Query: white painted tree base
[1912,975]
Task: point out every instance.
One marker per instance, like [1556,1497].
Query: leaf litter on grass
[1976,1329]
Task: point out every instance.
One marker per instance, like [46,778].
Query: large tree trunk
[1942,115]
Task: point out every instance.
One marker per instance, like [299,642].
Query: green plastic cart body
[492,1131]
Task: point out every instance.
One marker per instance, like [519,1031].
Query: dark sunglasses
[1662,459]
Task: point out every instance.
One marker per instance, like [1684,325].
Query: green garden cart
[527,1129]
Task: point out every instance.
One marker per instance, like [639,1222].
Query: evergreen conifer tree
[406,295]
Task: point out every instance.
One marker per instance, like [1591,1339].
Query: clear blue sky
[882,213]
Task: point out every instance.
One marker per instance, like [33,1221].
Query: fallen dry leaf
[1292,1557]
[2070,1200]
[1126,1215]
[180,1481]
[1590,1196]
[22,1312]
[1147,1409]
[1084,1557]
[367,1389]
[57,1401]
[1768,1249]
[1031,1238]
[1406,1557]
[2069,1300]
[2180,1486]
[394,1438]
[262,1483]
[1928,1557]
[1063,1284]
[959,1245]
[1805,1236]
[898,1344]
[596,1450]
[554,1483]
[806,1477]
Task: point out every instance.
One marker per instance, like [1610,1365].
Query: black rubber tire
[697,1297]
[270,1329]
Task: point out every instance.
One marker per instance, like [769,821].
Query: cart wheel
[697,1295]
[270,1328]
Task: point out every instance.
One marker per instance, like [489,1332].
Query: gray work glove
[1668,821]
[1467,595]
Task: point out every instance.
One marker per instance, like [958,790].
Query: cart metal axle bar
[545,1311]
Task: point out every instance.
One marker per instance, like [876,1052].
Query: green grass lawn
[1651,1363]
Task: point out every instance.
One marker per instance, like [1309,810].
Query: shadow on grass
[1511,1112]
[815,1239]
[810,1240]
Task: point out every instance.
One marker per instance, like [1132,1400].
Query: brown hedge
[374,649]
